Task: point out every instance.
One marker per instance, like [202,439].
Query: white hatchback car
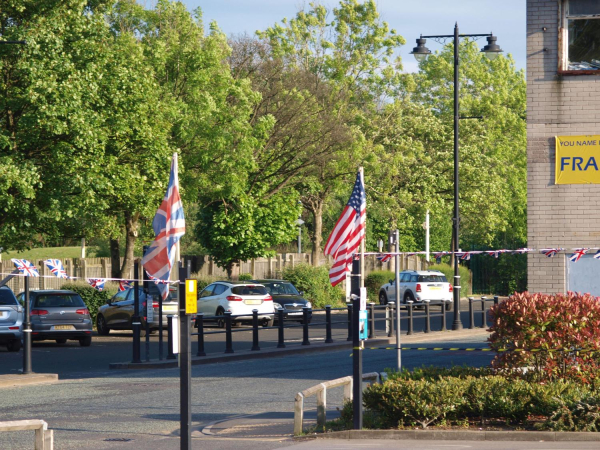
[419,285]
[239,298]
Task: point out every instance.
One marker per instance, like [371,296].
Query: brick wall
[558,215]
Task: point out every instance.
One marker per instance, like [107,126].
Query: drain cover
[118,440]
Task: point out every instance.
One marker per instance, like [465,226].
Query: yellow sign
[191,296]
[577,160]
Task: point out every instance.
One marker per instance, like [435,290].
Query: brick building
[563,99]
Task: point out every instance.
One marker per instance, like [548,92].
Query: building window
[580,35]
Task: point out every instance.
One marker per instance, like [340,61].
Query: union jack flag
[125,284]
[97,283]
[157,280]
[464,256]
[439,255]
[348,232]
[577,254]
[550,252]
[597,255]
[25,267]
[384,257]
[169,226]
[56,268]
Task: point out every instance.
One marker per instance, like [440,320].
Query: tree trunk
[115,259]
[131,232]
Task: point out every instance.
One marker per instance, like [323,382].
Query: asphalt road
[70,361]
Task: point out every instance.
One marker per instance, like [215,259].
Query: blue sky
[505,18]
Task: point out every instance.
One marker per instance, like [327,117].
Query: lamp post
[299,222]
[491,50]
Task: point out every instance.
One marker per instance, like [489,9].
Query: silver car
[117,314]
[59,315]
[11,320]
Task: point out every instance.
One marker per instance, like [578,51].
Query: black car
[287,296]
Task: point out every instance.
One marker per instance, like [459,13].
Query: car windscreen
[7,298]
[432,278]
[58,301]
[249,290]
[281,289]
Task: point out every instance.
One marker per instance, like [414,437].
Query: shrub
[465,276]
[583,415]
[314,282]
[536,329]
[203,281]
[92,297]
[433,373]
[375,280]
[245,277]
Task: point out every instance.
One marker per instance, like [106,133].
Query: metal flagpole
[398,348]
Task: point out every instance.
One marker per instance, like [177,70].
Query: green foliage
[314,282]
[539,328]
[432,373]
[583,415]
[203,281]
[245,276]
[465,276]
[375,280]
[92,297]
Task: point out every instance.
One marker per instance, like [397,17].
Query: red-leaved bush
[553,336]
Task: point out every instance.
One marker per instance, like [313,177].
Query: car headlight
[276,306]
[308,305]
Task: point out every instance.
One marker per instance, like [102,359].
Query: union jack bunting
[550,252]
[494,253]
[597,255]
[577,254]
[169,226]
[97,283]
[384,257]
[157,280]
[56,268]
[25,267]
[348,232]
[439,255]
[521,251]
[464,256]
[125,284]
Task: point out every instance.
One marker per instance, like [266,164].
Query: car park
[239,298]
[286,296]
[58,315]
[11,320]
[118,312]
[417,286]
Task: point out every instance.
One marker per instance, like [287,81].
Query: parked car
[240,298]
[418,285]
[117,313]
[11,320]
[58,315]
[286,296]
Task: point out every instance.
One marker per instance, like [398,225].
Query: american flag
[125,284]
[25,267]
[577,254]
[169,226]
[597,255]
[550,252]
[349,230]
[384,257]
[97,283]
[56,268]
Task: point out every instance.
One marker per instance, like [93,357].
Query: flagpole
[362,242]
[174,275]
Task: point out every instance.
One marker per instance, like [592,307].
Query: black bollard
[170,354]
[349,305]
[305,311]
[410,317]
[328,339]
[255,346]
[471,314]
[280,343]
[427,317]
[228,339]
[200,326]
[371,320]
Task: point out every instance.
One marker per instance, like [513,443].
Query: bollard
[255,346]
[443,316]
[410,317]
[228,339]
[371,320]
[305,311]
[349,305]
[200,326]
[483,319]
[428,317]
[496,300]
[280,343]
[328,339]
[391,305]
[471,314]
[170,354]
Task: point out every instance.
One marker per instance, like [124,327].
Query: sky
[505,18]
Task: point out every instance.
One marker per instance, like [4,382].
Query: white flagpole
[362,242]
[174,275]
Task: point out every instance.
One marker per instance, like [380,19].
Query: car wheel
[268,323]
[383,298]
[61,341]
[409,297]
[14,346]
[220,320]
[85,341]
[448,306]
[101,326]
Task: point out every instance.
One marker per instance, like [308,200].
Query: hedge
[314,282]
[92,297]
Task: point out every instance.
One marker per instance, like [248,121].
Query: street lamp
[299,222]
[491,50]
